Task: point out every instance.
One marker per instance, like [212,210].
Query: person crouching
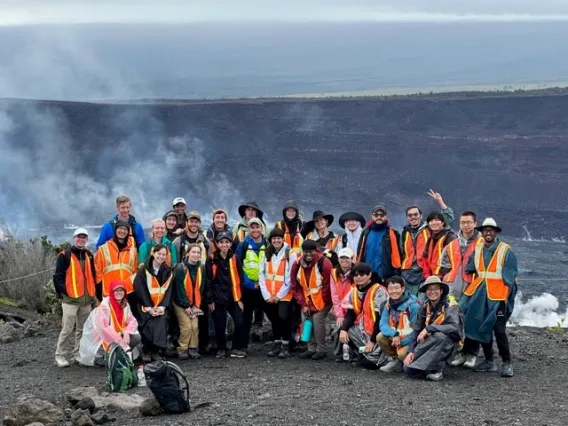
[436,334]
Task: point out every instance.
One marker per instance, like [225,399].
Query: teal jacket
[145,250]
[410,304]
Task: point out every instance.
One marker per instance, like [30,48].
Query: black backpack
[169,386]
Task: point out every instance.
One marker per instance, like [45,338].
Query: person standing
[158,237]
[192,235]
[438,238]
[178,208]
[291,225]
[247,211]
[135,229]
[74,281]
[353,223]
[489,300]
[317,229]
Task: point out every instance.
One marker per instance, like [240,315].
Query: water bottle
[141,377]
[346,352]
[307,330]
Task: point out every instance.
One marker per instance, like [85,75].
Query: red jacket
[326,269]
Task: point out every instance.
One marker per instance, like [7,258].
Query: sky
[22,12]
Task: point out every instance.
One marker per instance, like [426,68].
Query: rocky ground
[262,391]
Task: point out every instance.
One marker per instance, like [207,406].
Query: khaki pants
[188,330]
[74,317]
[386,346]
[317,342]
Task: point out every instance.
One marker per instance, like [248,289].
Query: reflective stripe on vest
[312,289]
[298,240]
[251,262]
[435,254]
[439,319]
[413,248]
[125,266]
[156,290]
[369,312]
[275,281]
[75,278]
[193,290]
[118,327]
[235,279]
[331,244]
[459,262]
[492,275]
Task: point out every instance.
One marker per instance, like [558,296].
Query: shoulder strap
[344,240]
[287,254]
[320,263]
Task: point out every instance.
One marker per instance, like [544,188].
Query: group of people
[412,301]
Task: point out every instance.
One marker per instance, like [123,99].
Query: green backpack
[120,369]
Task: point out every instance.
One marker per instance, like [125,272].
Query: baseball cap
[345,252]
[224,235]
[194,215]
[80,231]
[379,207]
[255,220]
[179,200]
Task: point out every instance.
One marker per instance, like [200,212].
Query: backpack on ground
[120,369]
[169,386]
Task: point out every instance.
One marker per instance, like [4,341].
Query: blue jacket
[241,254]
[410,302]
[374,250]
[107,231]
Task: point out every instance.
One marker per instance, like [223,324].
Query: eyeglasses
[359,274]
[413,214]
[468,222]
[379,214]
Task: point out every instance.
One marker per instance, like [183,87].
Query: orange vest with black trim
[453,250]
[119,327]
[235,278]
[312,288]
[275,280]
[439,318]
[492,275]
[157,291]
[365,310]
[331,243]
[431,264]
[114,265]
[298,240]
[413,248]
[77,279]
[403,326]
[193,289]
[395,254]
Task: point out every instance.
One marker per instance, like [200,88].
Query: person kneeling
[110,322]
[360,326]
[399,313]
[436,334]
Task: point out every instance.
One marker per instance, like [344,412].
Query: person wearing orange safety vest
[224,294]
[292,226]
[116,260]
[340,285]
[456,254]
[247,211]
[110,322]
[438,238]
[398,316]
[153,287]
[488,301]
[317,229]
[436,334]
[74,282]
[310,277]
[361,326]
[379,245]
[276,289]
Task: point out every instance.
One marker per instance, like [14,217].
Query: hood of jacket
[407,299]
[291,205]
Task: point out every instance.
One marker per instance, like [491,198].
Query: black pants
[240,338]
[279,316]
[253,300]
[203,325]
[500,331]
[295,316]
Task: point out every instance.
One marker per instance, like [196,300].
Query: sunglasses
[413,214]
[379,214]
[360,274]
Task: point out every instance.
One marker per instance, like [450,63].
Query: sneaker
[284,352]
[183,356]
[394,365]
[458,360]
[485,367]
[307,355]
[237,353]
[61,362]
[275,349]
[222,354]
[193,353]
[507,369]
[470,361]
[435,377]
[146,358]
[318,356]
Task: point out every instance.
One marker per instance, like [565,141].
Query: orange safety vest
[77,279]
[331,243]
[458,261]
[341,291]
[313,288]
[235,277]
[431,261]
[439,319]
[366,310]
[298,240]
[241,234]
[404,327]
[492,275]
[193,290]
[114,265]
[395,255]
[413,249]
[118,327]
[157,291]
[275,281]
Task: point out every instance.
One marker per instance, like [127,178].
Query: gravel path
[261,391]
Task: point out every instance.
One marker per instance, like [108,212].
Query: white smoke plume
[539,311]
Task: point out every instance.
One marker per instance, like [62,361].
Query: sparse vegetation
[558,328]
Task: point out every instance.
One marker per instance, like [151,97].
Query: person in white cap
[74,281]
[488,301]
[341,283]
[178,208]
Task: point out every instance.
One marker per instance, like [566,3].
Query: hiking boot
[61,362]
[394,365]
[156,356]
[338,358]
[435,377]
[507,369]
[307,355]
[183,356]
[318,356]
[470,361]
[193,353]
[222,354]
[284,352]
[458,360]
[238,353]
[485,367]
[275,349]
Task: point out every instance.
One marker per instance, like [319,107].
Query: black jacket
[63,262]
[219,285]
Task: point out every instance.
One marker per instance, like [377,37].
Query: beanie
[309,245]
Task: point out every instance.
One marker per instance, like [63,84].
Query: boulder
[29,409]
[87,403]
[81,418]
[9,334]
[78,394]
[151,407]
[100,417]
[119,401]
[36,424]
